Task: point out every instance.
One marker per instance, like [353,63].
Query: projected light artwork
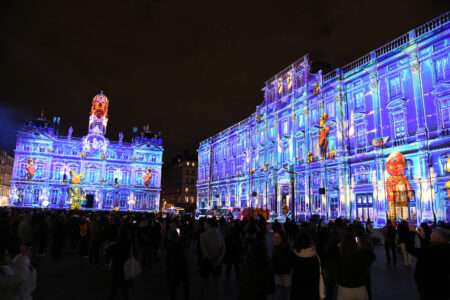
[55,171]
[368,140]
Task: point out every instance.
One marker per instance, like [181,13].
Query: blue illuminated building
[57,171]
[370,139]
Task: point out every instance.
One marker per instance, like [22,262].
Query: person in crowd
[176,261]
[10,281]
[155,239]
[58,234]
[306,269]
[119,252]
[27,273]
[389,234]
[42,231]
[212,250]
[424,234]
[84,238]
[257,279]
[95,231]
[251,229]
[433,266]
[281,261]
[25,230]
[404,240]
[354,263]
[369,226]
[233,253]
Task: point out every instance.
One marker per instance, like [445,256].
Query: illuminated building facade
[370,139]
[57,171]
[6,165]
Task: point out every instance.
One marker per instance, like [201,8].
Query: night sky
[189,68]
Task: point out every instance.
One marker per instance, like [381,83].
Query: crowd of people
[264,260]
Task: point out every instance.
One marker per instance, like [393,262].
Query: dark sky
[189,68]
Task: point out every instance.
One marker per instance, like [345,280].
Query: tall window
[57,174]
[91,175]
[360,135]
[315,145]
[316,201]
[331,107]
[359,100]
[299,149]
[314,116]
[441,68]
[301,120]
[395,89]
[399,124]
[285,128]
[53,196]
[36,196]
[445,112]
[109,176]
[364,206]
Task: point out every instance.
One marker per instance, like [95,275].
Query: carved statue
[69,133]
[120,137]
[398,187]
[323,135]
[30,168]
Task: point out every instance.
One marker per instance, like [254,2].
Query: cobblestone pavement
[74,278]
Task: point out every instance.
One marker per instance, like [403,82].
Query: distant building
[368,140]
[179,184]
[57,171]
[6,167]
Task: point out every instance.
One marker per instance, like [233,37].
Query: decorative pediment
[399,103]
[441,89]
[148,146]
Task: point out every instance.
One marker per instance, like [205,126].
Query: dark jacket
[257,279]
[354,270]
[403,233]
[306,275]
[281,259]
[433,271]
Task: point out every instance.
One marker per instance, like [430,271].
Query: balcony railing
[362,61]
[391,46]
[433,24]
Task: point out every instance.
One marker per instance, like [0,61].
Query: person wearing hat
[433,266]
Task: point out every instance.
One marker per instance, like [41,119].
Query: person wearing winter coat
[389,234]
[212,251]
[354,262]
[404,240]
[306,269]
[176,261]
[432,274]
[233,253]
[281,261]
[257,281]
[119,252]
